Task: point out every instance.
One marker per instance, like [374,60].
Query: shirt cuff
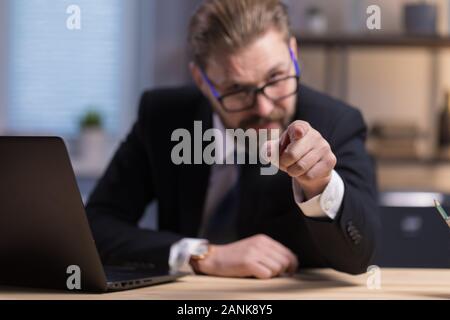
[326,204]
[180,253]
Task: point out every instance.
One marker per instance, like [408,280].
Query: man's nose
[263,105]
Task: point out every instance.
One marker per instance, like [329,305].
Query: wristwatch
[199,253]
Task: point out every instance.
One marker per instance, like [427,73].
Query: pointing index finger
[294,132]
[298,130]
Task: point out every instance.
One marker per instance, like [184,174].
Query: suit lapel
[194,180]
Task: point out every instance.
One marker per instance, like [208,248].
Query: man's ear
[293,45]
[196,74]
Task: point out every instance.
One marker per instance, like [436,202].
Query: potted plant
[92,137]
[91,120]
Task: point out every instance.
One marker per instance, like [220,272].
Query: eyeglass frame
[256,90]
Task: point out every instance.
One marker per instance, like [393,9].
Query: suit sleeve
[119,201]
[348,242]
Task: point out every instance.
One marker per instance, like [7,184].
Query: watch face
[201,249]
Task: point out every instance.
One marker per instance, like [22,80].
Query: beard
[274,124]
[279,116]
[278,120]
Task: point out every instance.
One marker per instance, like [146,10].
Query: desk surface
[310,284]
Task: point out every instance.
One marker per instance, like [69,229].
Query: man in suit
[319,210]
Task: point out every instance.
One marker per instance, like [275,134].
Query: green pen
[442,212]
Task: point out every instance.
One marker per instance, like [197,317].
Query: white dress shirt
[324,205]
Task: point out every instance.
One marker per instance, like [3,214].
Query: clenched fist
[305,155]
[259,256]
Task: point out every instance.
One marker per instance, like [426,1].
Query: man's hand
[306,156]
[259,256]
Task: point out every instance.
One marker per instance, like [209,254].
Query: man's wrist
[313,189]
[326,204]
[200,262]
[181,252]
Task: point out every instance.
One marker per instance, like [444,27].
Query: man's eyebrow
[229,84]
[280,66]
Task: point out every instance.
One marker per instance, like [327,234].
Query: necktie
[221,225]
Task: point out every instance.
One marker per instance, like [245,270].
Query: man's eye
[234,87]
[276,76]
[239,88]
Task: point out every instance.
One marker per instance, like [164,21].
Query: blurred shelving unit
[424,168]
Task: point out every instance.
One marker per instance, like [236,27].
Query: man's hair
[225,26]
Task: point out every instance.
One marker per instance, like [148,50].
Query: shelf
[370,40]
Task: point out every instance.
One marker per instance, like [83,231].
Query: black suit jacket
[142,171]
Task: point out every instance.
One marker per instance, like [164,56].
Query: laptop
[45,238]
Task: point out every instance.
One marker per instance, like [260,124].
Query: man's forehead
[234,69]
[251,63]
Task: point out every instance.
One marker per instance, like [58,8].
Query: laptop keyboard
[114,274]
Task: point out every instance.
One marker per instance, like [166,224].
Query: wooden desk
[311,284]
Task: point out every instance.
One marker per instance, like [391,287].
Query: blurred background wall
[3,63]
[53,78]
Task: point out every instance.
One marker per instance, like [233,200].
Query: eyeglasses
[245,99]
